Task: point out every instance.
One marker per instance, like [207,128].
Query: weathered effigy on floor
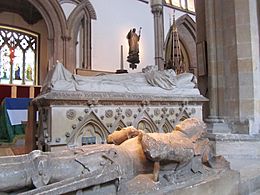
[179,162]
[76,110]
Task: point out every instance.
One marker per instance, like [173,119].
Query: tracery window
[18,56]
[182,5]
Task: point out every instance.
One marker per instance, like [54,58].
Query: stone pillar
[221,63]
[87,44]
[247,31]
[214,121]
[212,58]
[157,10]
[68,52]
[232,37]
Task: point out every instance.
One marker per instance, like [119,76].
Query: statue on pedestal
[133,41]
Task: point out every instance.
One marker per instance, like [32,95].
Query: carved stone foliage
[128,112]
[71,114]
[98,124]
[109,113]
[157,111]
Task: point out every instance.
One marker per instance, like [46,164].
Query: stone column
[215,122]
[157,10]
[247,33]
[67,52]
[212,61]
[232,35]
[88,48]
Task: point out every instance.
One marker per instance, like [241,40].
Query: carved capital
[157,7]
[66,38]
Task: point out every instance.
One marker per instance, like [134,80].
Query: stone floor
[249,170]
[11,150]
[15,148]
[255,193]
[243,153]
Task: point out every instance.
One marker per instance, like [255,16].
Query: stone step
[249,176]
[240,146]
[243,153]
[255,193]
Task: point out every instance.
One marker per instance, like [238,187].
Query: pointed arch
[145,122]
[88,6]
[118,125]
[189,23]
[56,26]
[167,127]
[80,17]
[187,33]
[183,116]
[186,27]
[89,120]
[62,34]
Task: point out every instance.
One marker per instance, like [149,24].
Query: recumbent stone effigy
[73,107]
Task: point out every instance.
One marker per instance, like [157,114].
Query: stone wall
[231,33]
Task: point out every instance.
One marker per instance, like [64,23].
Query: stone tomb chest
[74,113]
[76,118]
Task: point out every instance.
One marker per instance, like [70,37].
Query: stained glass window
[18,56]
[182,5]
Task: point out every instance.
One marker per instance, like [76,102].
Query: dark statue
[133,41]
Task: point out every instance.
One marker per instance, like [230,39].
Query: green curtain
[7,131]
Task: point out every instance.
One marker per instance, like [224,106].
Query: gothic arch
[86,4]
[187,34]
[56,25]
[146,125]
[90,129]
[167,127]
[145,122]
[80,16]
[90,119]
[62,33]
[117,126]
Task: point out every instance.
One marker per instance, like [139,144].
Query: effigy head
[192,128]
[150,68]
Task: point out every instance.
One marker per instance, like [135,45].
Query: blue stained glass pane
[18,66]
